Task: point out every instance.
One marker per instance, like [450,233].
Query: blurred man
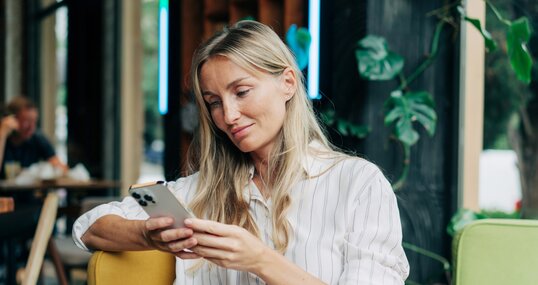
[20,142]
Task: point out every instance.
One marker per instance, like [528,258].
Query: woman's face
[249,108]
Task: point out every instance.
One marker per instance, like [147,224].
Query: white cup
[12,169]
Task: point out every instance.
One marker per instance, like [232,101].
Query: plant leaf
[375,61]
[517,37]
[403,109]
[491,45]
[359,131]
[341,126]
[461,219]
[299,39]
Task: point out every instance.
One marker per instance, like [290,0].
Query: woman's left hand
[228,246]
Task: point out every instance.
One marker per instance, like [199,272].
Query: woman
[278,204]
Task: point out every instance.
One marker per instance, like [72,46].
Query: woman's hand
[159,235]
[228,246]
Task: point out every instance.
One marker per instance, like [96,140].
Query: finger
[209,252]
[211,227]
[187,255]
[182,245]
[175,234]
[158,223]
[213,241]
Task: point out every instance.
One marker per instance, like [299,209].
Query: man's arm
[7,125]
[56,162]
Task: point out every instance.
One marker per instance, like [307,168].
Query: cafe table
[75,191]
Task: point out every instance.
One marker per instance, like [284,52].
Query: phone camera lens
[148,198]
[135,195]
[142,203]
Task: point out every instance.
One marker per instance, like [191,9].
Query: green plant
[404,106]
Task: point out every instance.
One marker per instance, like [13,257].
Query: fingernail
[187,222]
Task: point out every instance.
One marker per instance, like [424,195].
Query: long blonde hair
[223,168]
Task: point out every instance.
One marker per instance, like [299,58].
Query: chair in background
[131,267]
[30,274]
[70,257]
[495,252]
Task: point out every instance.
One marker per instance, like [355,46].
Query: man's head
[26,114]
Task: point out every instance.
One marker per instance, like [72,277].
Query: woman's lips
[239,132]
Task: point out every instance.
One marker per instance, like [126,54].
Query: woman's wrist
[268,259]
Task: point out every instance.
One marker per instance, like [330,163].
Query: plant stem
[431,57]
[405,170]
[432,255]
[498,14]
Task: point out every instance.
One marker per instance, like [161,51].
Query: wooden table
[71,185]
[73,188]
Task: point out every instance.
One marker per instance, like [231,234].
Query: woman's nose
[231,112]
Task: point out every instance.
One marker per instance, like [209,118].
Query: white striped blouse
[346,226]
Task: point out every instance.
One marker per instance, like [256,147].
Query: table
[73,187]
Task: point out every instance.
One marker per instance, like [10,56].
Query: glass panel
[500,187]
[61,95]
[151,168]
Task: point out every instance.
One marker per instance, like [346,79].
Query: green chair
[497,251]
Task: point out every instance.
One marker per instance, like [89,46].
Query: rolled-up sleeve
[373,249]
[128,209]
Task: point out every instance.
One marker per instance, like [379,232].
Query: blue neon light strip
[163,57]
[313,55]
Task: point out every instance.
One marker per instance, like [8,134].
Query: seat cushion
[131,267]
[497,251]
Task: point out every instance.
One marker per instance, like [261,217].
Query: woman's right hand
[159,235]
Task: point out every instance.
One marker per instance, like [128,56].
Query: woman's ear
[289,83]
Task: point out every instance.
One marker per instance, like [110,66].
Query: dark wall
[2,50]
[427,200]
[84,84]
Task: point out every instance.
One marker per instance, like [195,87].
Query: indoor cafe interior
[108,80]
[95,96]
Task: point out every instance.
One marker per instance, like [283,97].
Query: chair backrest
[47,218]
[497,251]
[131,267]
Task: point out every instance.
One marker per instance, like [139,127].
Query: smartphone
[158,201]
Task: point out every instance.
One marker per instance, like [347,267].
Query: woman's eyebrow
[235,82]
[228,86]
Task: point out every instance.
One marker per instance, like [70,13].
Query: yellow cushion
[131,267]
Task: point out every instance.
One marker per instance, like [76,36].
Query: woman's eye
[214,104]
[241,93]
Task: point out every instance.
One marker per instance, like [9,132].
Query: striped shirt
[345,221]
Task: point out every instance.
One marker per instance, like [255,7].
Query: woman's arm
[114,233]
[235,248]
[373,246]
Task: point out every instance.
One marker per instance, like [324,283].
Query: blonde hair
[223,168]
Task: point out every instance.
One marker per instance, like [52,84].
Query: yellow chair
[131,267]
[497,252]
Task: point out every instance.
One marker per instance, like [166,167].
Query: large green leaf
[491,45]
[402,110]
[375,60]
[517,37]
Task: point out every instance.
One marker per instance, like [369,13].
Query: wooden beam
[471,120]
